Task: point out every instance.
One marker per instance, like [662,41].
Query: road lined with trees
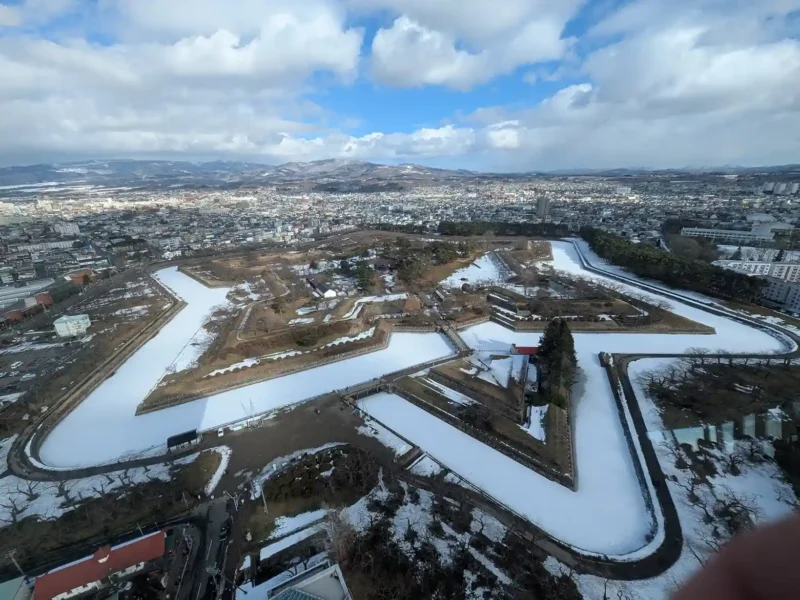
[651,263]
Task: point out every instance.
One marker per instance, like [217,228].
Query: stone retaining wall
[414,328]
[472,322]
[514,411]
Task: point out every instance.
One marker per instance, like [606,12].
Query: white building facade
[72,326]
[779,270]
[782,294]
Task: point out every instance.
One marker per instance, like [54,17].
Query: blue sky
[498,85]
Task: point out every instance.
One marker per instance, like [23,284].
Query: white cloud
[408,54]
[34,12]
[217,91]
[461,44]
[10,16]
[676,90]
[694,82]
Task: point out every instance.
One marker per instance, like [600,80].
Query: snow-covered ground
[287,525]
[498,369]
[385,437]
[762,483]
[607,514]
[224,459]
[356,310]
[49,500]
[104,428]
[536,427]
[288,541]
[486,269]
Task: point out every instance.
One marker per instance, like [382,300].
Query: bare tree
[29,489]
[13,509]
[64,488]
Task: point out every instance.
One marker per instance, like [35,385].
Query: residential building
[44,298]
[321,288]
[778,270]
[783,295]
[542,207]
[80,277]
[10,295]
[105,571]
[321,582]
[729,236]
[40,246]
[72,325]
[66,229]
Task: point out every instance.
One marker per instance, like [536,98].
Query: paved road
[181,572]
[212,550]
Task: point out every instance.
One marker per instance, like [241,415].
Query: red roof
[104,562]
[529,350]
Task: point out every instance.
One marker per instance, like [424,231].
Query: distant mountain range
[322,175]
[162,173]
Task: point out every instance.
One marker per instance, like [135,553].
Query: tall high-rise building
[542,207]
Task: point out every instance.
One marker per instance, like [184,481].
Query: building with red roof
[527,350]
[105,567]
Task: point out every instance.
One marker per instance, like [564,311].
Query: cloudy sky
[497,85]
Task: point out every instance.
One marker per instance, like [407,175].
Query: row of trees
[557,355]
[502,228]
[648,261]
[413,262]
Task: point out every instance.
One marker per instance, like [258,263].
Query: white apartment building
[729,236]
[782,294]
[66,229]
[779,270]
[41,246]
[72,326]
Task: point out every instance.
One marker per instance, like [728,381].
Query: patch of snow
[354,312]
[305,321]
[288,541]
[44,500]
[384,436]
[225,458]
[245,564]
[277,465]
[247,362]
[355,338]
[10,398]
[485,270]
[536,427]
[287,525]
[134,311]
[425,467]
[450,394]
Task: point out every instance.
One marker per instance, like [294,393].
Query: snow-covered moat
[607,514]
[105,428]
